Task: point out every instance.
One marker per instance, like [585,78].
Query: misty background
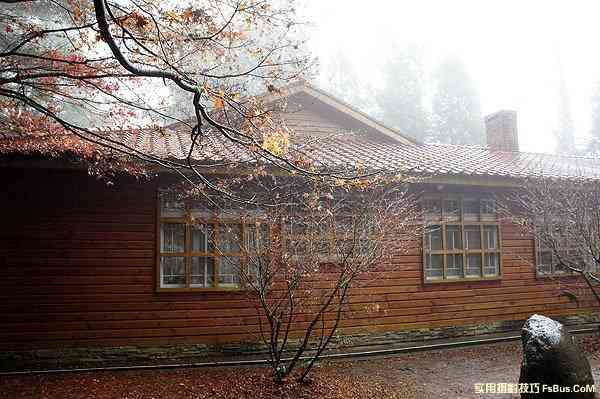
[433,69]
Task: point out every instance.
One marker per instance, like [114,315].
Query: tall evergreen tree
[340,78]
[565,132]
[594,144]
[401,99]
[456,111]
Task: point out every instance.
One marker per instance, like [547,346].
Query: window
[547,261]
[461,239]
[301,235]
[199,251]
[351,234]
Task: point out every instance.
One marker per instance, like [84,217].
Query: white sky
[510,48]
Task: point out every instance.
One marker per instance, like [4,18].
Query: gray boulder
[553,360]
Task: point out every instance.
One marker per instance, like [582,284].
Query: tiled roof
[443,159]
[315,117]
[352,150]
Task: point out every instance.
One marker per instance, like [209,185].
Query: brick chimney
[501,131]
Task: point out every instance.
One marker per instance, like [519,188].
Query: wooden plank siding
[306,116]
[78,268]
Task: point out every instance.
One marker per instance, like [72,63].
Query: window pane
[297,225]
[296,246]
[433,238]
[453,237]
[257,238]
[544,262]
[454,264]
[322,245]
[451,209]
[472,237]
[490,237]
[471,209]
[432,209]
[229,271]
[488,209]
[229,238]
[365,244]
[492,264]
[202,272]
[344,246]
[577,259]
[559,268]
[172,237]
[172,271]
[434,266]
[203,238]
[474,266]
[257,269]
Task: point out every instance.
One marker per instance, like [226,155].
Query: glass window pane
[544,260]
[433,238]
[229,271]
[454,266]
[492,264]
[257,270]
[296,246]
[453,237]
[203,271]
[229,238]
[203,238]
[473,266]
[257,238]
[432,209]
[365,244]
[172,237]
[471,209]
[452,209]
[297,225]
[172,271]
[559,268]
[472,237]
[344,246]
[434,268]
[488,209]
[323,247]
[490,237]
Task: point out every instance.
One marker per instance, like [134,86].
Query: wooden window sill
[549,276]
[200,290]
[461,280]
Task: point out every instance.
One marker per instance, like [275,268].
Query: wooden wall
[77,267]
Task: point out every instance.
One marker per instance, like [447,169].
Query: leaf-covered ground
[433,374]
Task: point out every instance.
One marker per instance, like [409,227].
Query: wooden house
[86,264]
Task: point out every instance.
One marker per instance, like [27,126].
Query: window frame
[331,236]
[538,249]
[216,221]
[483,220]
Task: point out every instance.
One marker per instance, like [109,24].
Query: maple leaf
[218,103]
[187,15]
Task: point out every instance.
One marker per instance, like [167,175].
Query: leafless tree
[306,257]
[563,216]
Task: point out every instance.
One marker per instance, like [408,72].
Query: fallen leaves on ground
[256,383]
[450,373]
